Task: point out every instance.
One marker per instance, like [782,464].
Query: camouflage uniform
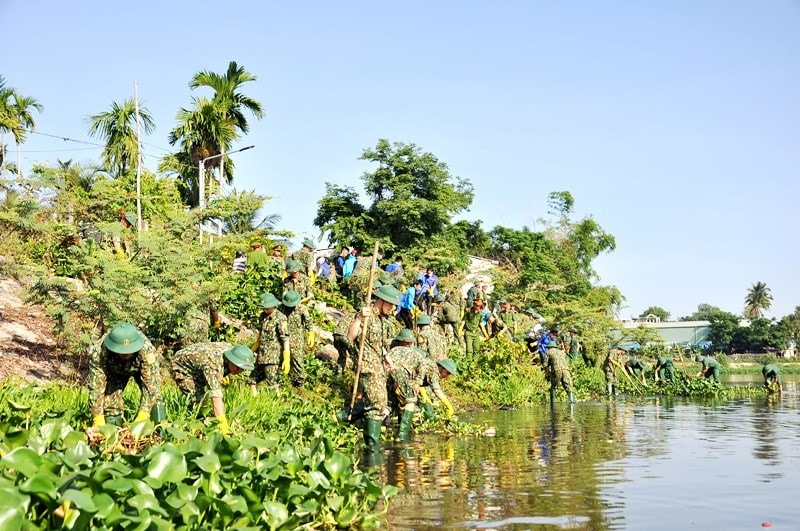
[372,380]
[298,325]
[449,319]
[610,365]
[300,284]
[272,334]
[559,369]
[194,326]
[109,374]
[432,341]
[574,348]
[198,370]
[343,346]
[306,260]
[472,332]
[411,369]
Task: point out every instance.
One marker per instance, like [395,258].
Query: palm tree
[757,301]
[117,127]
[22,109]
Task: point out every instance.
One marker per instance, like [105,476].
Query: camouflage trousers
[347,352]
[373,393]
[112,399]
[451,334]
[563,377]
[611,375]
[189,387]
[264,372]
[404,390]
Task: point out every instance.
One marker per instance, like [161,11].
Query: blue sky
[674,124]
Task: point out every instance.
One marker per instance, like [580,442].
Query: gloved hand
[366,311]
[142,415]
[224,428]
[310,338]
[225,380]
[285,364]
[448,407]
[99,420]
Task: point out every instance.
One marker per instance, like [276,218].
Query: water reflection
[606,466]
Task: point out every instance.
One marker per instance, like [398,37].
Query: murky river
[651,463]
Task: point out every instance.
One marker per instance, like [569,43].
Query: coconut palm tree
[117,128]
[757,301]
[231,103]
[22,109]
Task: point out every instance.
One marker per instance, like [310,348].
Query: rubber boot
[158,413]
[404,431]
[427,411]
[372,432]
[610,389]
[552,395]
[571,397]
[614,390]
[115,420]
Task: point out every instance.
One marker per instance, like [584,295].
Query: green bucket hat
[308,243]
[130,217]
[551,344]
[268,300]
[241,356]
[440,298]
[388,294]
[291,299]
[385,279]
[293,266]
[623,349]
[424,319]
[699,357]
[573,330]
[448,365]
[124,338]
[376,284]
[405,336]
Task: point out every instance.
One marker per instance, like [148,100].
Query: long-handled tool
[364,323]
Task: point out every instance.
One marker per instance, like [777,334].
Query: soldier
[558,371]
[473,293]
[710,367]
[377,341]
[199,370]
[613,362]
[305,257]
[296,280]
[256,258]
[344,346]
[448,318]
[273,341]
[472,328]
[429,339]
[636,368]
[410,369]
[123,353]
[575,347]
[664,370]
[772,377]
[298,323]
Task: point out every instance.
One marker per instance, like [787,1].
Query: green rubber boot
[404,431]
[115,420]
[610,389]
[372,432]
[158,413]
[427,411]
[552,395]
[571,397]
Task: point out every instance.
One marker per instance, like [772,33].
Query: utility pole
[138,161]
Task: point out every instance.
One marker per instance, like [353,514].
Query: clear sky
[675,124]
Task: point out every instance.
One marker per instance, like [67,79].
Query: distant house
[681,333]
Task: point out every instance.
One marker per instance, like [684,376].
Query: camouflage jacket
[305,258]
[272,335]
[430,340]
[298,323]
[449,313]
[205,364]
[412,365]
[381,330]
[613,359]
[557,360]
[106,366]
[300,284]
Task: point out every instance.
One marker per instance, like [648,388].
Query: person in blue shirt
[396,267]
[407,303]
[338,263]
[431,286]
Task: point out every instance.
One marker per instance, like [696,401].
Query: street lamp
[201,204]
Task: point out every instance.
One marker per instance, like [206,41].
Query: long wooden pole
[138,161]
[364,323]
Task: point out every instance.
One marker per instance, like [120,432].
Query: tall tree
[22,110]
[117,128]
[658,311]
[757,301]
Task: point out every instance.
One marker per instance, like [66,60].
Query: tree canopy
[658,311]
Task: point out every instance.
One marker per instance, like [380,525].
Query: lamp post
[201,203]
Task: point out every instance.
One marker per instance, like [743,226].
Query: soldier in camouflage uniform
[558,369]
[449,318]
[410,370]
[296,280]
[298,323]
[430,340]
[347,351]
[472,328]
[377,342]
[273,341]
[613,361]
[123,353]
[305,257]
[199,370]
[636,368]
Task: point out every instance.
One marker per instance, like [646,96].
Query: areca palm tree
[22,111]
[757,301]
[117,128]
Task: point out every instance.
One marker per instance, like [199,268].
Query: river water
[651,463]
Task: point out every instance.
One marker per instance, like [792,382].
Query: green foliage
[658,311]
[757,301]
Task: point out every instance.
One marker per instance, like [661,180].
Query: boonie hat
[424,319]
[293,266]
[241,356]
[405,336]
[268,300]
[124,338]
[448,365]
[291,298]
[551,344]
[308,243]
[388,294]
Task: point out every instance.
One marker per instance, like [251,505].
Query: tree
[644,335]
[658,311]
[757,301]
[413,198]
[722,330]
[230,103]
[239,213]
[704,313]
[22,111]
[791,323]
[117,128]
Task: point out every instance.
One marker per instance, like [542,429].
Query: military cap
[130,217]
[448,365]
[573,330]
[376,284]
[440,298]
[405,336]
[293,266]
[291,299]
[388,294]
[268,300]
[699,357]
[124,338]
[241,356]
[424,319]
[308,243]
[551,344]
